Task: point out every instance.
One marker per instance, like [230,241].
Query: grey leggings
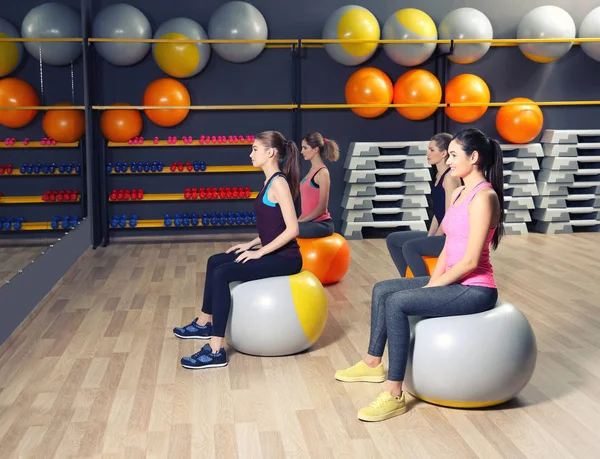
[407,247]
[316,229]
[394,300]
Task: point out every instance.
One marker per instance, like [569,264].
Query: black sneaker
[194,331]
[205,358]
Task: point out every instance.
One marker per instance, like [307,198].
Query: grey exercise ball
[122,21]
[52,20]
[409,24]
[238,21]
[181,60]
[351,22]
[547,21]
[11,53]
[463,24]
[472,360]
[590,28]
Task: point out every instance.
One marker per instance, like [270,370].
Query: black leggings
[407,247]
[222,269]
[323,228]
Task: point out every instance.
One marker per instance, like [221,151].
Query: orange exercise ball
[64,126]
[467,88]
[121,125]
[369,86]
[520,123]
[17,93]
[167,92]
[417,86]
[328,258]
[430,263]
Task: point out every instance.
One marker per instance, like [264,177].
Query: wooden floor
[96,372]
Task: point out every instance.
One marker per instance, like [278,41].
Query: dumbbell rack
[520,163]
[58,170]
[159,166]
[387,184]
[569,182]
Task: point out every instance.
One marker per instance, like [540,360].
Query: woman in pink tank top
[462,281]
[315,220]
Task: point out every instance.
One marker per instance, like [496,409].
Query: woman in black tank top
[279,255]
[408,247]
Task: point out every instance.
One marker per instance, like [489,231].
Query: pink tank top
[456,227]
[309,197]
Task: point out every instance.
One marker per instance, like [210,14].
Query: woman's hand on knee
[249,255]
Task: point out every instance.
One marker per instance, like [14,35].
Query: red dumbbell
[173,167]
[187,194]
[189,166]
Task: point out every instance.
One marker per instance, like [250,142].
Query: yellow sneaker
[361,372]
[384,407]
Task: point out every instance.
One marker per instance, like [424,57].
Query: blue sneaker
[205,359]
[194,331]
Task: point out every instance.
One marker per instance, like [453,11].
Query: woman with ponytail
[315,220]
[462,281]
[279,254]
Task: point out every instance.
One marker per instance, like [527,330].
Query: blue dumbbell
[205,221]
[168,222]
[195,221]
[202,166]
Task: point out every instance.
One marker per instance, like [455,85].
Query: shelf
[35,226]
[180,197]
[209,170]
[17,173]
[161,224]
[178,143]
[39,145]
[32,200]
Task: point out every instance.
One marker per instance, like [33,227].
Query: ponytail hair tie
[325,139]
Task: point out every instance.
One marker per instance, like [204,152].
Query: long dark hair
[288,157]
[491,164]
[328,149]
[442,140]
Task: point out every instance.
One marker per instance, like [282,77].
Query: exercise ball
[409,24]
[64,126]
[467,88]
[52,20]
[181,60]
[520,123]
[238,21]
[170,93]
[15,92]
[277,316]
[417,86]
[430,263]
[463,24]
[122,21]
[121,125]
[546,21]
[589,28]
[471,361]
[369,86]
[327,257]
[11,53]
[351,22]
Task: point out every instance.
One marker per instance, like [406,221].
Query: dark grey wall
[268,80]
[53,85]
[23,293]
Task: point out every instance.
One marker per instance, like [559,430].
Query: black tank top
[270,222]
[438,195]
